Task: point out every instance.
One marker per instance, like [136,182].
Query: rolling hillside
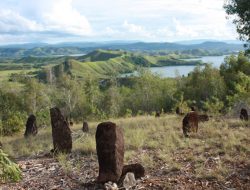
[103,62]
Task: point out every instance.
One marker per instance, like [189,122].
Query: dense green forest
[89,95]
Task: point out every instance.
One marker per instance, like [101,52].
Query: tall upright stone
[243,114]
[61,132]
[190,123]
[203,117]
[85,127]
[31,127]
[110,151]
[158,114]
[178,110]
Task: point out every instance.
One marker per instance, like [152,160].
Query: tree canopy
[240,9]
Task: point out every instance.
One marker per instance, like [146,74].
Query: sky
[54,21]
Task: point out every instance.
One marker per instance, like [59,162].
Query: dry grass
[156,142]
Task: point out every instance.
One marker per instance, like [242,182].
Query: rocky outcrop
[61,132]
[110,151]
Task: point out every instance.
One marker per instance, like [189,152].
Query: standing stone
[31,127]
[193,108]
[177,110]
[85,127]
[190,123]
[203,117]
[157,114]
[243,114]
[110,151]
[61,133]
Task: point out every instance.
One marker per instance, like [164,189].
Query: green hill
[102,63]
[100,55]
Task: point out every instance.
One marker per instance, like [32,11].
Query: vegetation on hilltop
[240,9]
[101,63]
[79,88]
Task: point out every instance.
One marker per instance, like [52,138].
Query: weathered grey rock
[110,186]
[110,151]
[31,127]
[129,181]
[85,127]
[61,132]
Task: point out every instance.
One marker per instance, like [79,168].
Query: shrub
[128,113]
[9,171]
[12,122]
[43,117]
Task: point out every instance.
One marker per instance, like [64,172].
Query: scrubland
[217,157]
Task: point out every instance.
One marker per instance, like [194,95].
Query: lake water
[173,71]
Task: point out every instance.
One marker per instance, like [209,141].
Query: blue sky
[53,21]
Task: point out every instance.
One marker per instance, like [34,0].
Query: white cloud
[11,21]
[57,17]
[63,17]
[136,29]
[149,20]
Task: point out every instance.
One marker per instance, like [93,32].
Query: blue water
[173,71]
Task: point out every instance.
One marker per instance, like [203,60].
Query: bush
[128,113]
[43,117]
[12,122]
[214,105]
[9,171]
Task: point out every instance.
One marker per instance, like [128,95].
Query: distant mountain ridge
[200,41]
[83,48]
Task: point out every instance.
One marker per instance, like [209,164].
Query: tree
[93,96]
[69,94]
[236,73]
[35,96]
[203,84]
[241,10]
[113,99]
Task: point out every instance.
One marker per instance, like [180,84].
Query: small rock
[129,181]
[110,186]
[52,168]
[23,167]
